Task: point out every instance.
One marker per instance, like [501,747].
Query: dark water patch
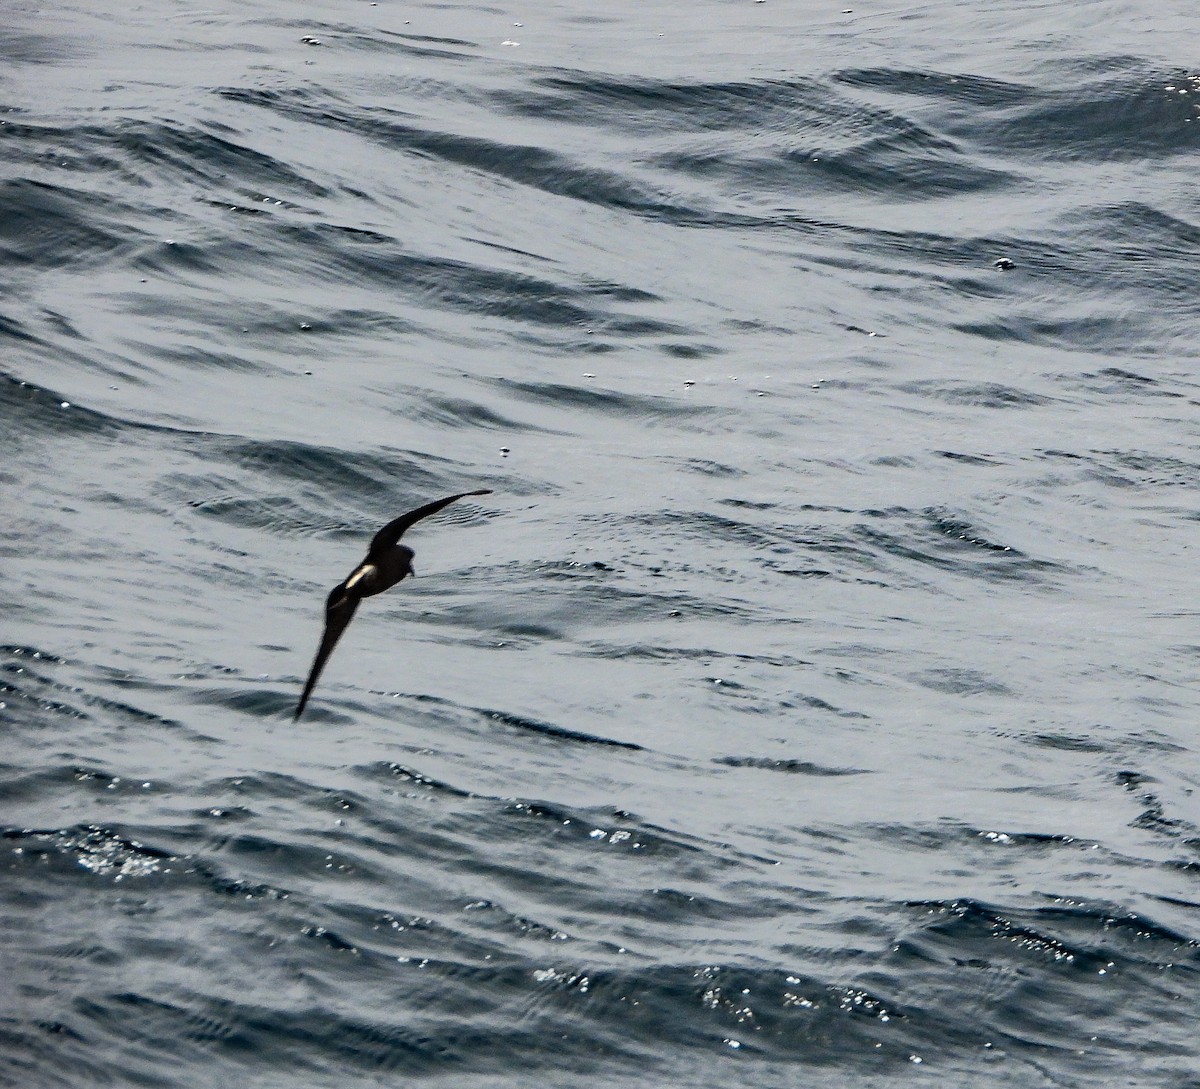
[1106,335]
[28,706]
[175,259]
[460,412]
[715,469]
[611,592]
[29,409]
[465,286]
[1065,742]
[1008,972]
[911,264]
[643,106]
[608,829]
[1028,842]
[969,459]
[131,714]
[197,868]
[140,156]
[512,848]
[818,704]
[1081,943]
[332,710]
[1133,247]
[36,697]
[757,534]
[409,781]
[960,682]
[505,922]
[907,160]
[541,168]
[1153,816]
[283,862]
[570,571]
[210,1031]
[1129,470]
[52,226]
[225,814]
[311,337]
[44,412]
[45,151]
[335,470]
[965,88]
[692,351]
[798,572]
[904,159]
[725,685]
[329,938]
[264,785]
[691,904]
[162,152]
[417,1036]
[19,785]
[752,504]
[807,129]
[206,359]
[463,944]
[61,324]
[661,652]
[717,1008]
[731,695]
[255,209]
[15,330]
[547,729]
[982,394]
[1124,383]
[1128,116]
[1121,272]
[276,514]
[101,851]
[93,779]
[443,713]
[613,830]
[1117,109]
[788,767]
[471,1008]
[604,402]
[950,542]
[31,653]
[381,40]
[1142,468]
[19,46]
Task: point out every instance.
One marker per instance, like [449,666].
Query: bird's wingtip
[481,491]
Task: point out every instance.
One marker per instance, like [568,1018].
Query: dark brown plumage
[387,562]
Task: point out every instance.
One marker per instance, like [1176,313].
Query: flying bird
[386,563]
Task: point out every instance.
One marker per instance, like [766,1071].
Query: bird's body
[386,563]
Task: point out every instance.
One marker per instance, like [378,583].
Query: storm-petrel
[386,563]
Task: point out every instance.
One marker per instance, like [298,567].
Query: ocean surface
[814,700]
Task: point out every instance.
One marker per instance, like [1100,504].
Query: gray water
[812,702]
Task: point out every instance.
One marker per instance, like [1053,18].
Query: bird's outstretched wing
[337,616]
[388,537]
